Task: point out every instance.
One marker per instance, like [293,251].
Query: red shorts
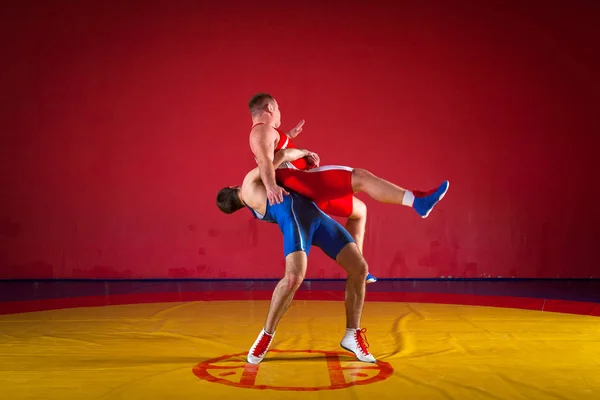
[341,207]
[330,187]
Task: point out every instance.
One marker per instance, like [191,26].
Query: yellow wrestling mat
[196,350]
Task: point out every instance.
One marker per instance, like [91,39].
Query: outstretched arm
[282,156]
[289,155]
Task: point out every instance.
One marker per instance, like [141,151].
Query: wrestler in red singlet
[330,187]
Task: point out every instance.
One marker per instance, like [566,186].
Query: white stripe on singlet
[297,224]
[330,168]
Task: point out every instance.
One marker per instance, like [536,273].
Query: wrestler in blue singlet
[303,224]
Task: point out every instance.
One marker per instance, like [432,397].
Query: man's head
[228,199]
[264,108]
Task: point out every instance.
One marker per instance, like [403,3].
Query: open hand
[275,194]
[294,132]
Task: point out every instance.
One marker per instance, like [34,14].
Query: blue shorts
[303,225]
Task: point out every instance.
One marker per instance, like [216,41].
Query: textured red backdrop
[121,120]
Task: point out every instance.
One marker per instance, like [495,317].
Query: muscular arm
[286,155]
[289,155]
[253,191]
[262,144]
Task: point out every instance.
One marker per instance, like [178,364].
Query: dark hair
[258,102]
[228,201]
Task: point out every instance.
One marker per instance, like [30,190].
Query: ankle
[408,199]
[267,332]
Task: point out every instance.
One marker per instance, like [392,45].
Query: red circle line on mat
[333,360]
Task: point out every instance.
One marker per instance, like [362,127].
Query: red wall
[119,124]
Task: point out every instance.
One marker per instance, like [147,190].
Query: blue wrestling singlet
[303,224]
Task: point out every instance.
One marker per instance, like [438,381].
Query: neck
[262,120]
[239,198]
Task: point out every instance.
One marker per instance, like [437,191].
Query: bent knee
[360,269]
[359,209]
[363,270]
[294,281]
[359,176]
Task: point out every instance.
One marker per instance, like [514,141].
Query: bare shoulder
[253,193]
[264,132]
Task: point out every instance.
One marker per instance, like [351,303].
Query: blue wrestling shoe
[425,201]
[371,278]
